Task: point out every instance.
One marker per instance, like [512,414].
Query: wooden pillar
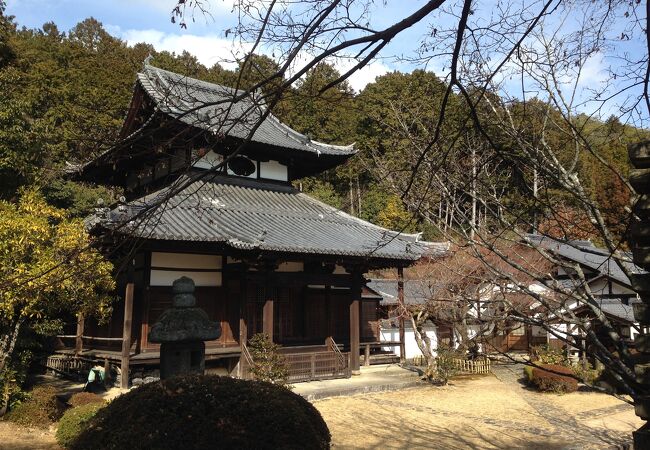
[402,313]
[107,373]
[366,355]
[267,318]
[354,324]
[243,328]
[126,336]
[79,343]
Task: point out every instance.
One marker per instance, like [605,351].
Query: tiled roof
[210,106]
[250,215]
[586,254]
[616,308]
[416,292]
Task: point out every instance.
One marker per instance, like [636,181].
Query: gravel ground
[487,412]
[482,412]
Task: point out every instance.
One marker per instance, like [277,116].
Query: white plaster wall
[185,260]
[273,170]
[167,277]
[410,345]
[208,161]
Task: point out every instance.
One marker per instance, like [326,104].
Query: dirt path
[14,437]
[487,412]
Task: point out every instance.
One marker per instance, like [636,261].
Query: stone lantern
[181,330]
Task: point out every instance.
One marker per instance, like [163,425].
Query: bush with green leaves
[198,411]
[74,421]
[546,354]
[41,409]
[554,378]
[445,368]
[268,363]
[586,372]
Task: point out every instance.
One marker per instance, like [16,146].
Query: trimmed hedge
[84,398]
[554,379]
[41,409]
[528,374]
[207,412]
[74,421]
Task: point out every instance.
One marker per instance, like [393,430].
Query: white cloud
[209,49]
[367,75]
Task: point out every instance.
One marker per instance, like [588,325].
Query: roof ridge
[238,95]
[203,85]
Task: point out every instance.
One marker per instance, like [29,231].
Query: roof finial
[147,60]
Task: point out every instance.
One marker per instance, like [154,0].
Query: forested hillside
[64,96]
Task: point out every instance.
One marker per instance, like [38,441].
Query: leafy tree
[268,363]
[395,217]
[47,268]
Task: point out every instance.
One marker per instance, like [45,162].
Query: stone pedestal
[177,358]
[181,331]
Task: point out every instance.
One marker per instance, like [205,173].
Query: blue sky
[149,21]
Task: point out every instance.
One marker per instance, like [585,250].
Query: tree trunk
[473,223]
[358,197]
[424,344]
[351,189]
[9,343]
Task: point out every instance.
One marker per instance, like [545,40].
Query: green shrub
[84,398]
[554,378]
[41,409]
[12,379]
[528,374]
[445,368]
[586,373]
[206,412]
[546,354]
[74,421]
[268,363]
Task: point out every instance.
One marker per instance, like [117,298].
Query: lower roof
[250,215]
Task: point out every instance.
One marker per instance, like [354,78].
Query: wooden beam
[79,343]
[402,312]
[354,325]
[126,336]
[243,328]
[301,278]
[366,355]
[267,318]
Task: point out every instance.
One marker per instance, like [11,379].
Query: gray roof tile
[416,292]
[251,215]
[586,254]
[210,106]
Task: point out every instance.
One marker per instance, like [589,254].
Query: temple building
[207,177]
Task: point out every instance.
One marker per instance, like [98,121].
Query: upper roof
[226,111]
[588,255]
[249,215]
